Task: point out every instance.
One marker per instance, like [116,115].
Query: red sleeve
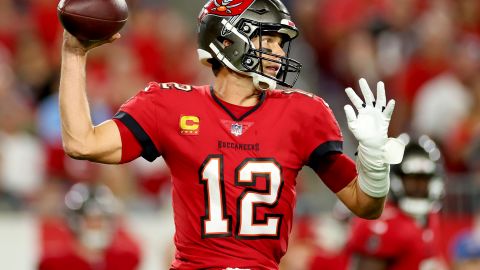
[123,253]
[336,170]
[323,145]
[321,131]
[140,115]
[131,148]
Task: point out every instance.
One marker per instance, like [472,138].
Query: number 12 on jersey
[217,222]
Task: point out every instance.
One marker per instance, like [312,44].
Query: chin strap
[263,83]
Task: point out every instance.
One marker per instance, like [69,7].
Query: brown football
[92,19]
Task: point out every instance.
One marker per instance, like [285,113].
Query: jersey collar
[243,116]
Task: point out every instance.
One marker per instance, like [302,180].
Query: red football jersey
[60,251]
[233,177]
[399,239]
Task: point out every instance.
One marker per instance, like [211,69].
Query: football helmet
[421,163]
[90,212]
[238,21]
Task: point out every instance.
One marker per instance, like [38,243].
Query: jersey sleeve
[323,146]
[336,170]
[322,134]
[131,148]
[140,114]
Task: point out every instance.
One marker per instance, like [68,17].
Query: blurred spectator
[45,23]
[302,245]
[435,34]
[406,236]
[21,154]
[395,34]
[318,242]
[153,182]
[332,233]
[59,165]
[90,236]
[466,249]
[463,140]
[9,25]
[448,97]
[467,15]
[35,73]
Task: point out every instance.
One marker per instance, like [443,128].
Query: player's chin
[272,72]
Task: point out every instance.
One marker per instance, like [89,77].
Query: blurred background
[426,51]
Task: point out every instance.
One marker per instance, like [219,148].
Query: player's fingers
[389,109]
[93,44]
[356,100]
[381,99]
[114,37]
[350,113]
[367,93]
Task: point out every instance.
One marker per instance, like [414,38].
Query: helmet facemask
[253,60]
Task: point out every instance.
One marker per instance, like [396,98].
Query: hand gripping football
[92,19]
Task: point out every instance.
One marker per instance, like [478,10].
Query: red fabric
[9,40]
[276,141]
[458,143]
[59,251]
[150,54]
[397,238]
[131,148]
[343,15]
[152,184]
[55,156]
[236,110]
[418,71]
[337,171]
[48,27]
[61,166]
[331,261]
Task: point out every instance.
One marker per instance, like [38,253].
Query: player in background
[235,147]
[406,236]
[90,236]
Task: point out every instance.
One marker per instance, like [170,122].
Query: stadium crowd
[426,51]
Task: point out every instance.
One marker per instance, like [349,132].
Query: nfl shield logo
[236,129]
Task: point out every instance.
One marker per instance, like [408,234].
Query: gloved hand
[371,125]
[375,150]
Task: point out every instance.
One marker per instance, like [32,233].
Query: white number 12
[217,222]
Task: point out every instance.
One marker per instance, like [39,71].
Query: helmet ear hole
[226,43]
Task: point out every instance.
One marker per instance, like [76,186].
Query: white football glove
[375,150]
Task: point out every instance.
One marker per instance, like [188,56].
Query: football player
[91,236]
[235,147]
[406,236]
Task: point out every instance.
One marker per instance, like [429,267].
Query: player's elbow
[76,150]
[370,211]
[372,215]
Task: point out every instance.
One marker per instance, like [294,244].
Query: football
[90,20]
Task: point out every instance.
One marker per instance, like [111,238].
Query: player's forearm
[77,127]
[360,203]
[372,207]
